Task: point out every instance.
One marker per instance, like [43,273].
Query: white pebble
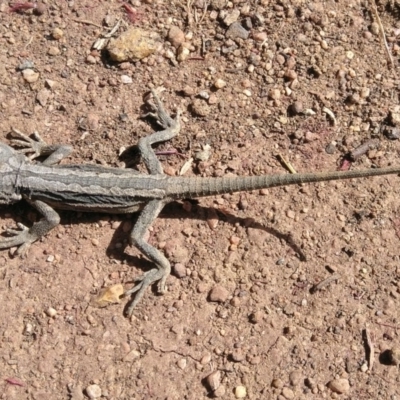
[126,79]
[240,392]
[219,83]
[364,367]
[51,312]
[93,391]
[183,53]
[182,363]
[57,33]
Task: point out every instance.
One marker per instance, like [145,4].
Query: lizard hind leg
[163,267]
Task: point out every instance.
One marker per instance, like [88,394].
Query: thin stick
[325,282]
[85,21]
[382,31]
[287,164]
[204,12]
[370,345]
[189,12]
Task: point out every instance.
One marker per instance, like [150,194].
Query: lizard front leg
[39,148]
[171,129]
[25,236]
[161,273]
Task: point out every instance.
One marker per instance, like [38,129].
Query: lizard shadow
[120,238]
[175,211]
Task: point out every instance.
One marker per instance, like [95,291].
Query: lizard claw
[35,146]
[20,237]
[144,281]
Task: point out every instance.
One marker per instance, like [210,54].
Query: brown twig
[325,282]
[14,381]
[16,7]
[362,149]
[388,325]
[85,21]
[382,32]
[132,14]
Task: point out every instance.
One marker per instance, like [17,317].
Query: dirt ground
[243,316]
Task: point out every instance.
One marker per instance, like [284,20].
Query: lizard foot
[161,115]
[35,146]
[22,238]
[144,281]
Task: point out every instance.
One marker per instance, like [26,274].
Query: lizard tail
[189,187]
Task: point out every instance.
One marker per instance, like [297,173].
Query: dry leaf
[108,295]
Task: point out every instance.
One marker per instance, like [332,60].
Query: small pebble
[50,84]
[295,378]
[339,386]
[188,91]
[126,79]
[330,148]
[179,270]
[92,122]
[260,36]
[57,33]
[236,31]
[277,383]
[274,94]
[394,356]
[40,9]
[182,363]
[200,108]
[213,381]
[287,393]
[213,99]
[183,53]
[231,17]
[42,97]
[364,367]
[218,294]
[220,391]
[296,108]
[256,317]
[374,28]
[240,392]
[204,95]
[30,75]
[291,75]
[51,312]
[219,84]
[93,391]
[290,214]
[90,59]
[26,64]
[53,51]
[238,355]
[176,36]
[205,359]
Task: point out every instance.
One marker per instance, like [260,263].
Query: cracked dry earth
[244,316]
